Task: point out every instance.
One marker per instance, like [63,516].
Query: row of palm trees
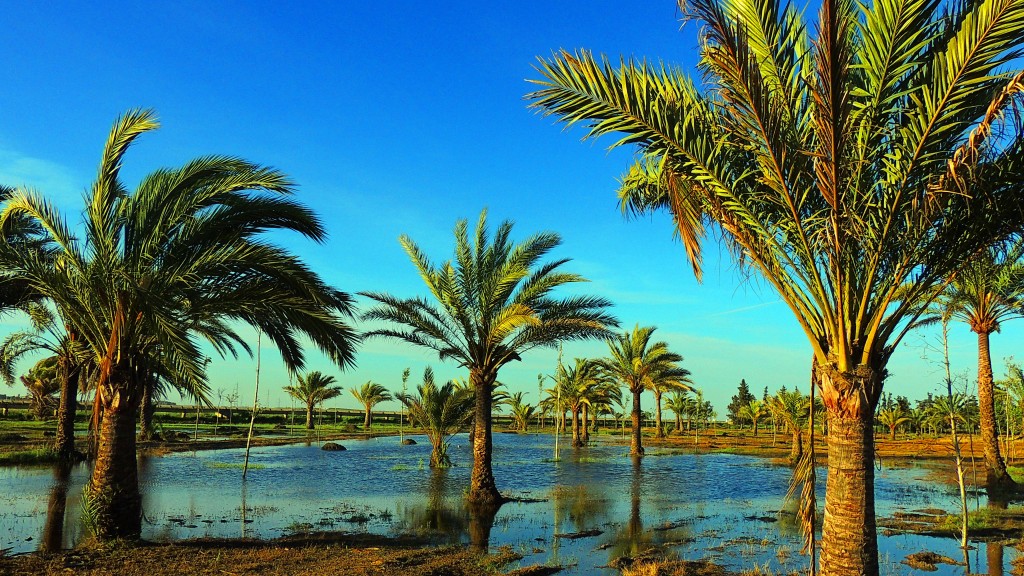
[856,164]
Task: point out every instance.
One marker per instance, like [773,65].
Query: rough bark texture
[113,490]
[659,432]
[66,410]
[309,418]
[146,416]
[482,489]
[849,541]
[996,477]
[636,445]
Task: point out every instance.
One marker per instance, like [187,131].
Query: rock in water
[332,447]
[408,442]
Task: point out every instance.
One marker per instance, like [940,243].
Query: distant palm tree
[677,402]
[312,389]
[521,411]
[753,412]
[153,271]
[792,409]
[441,412]
[670,378]
[42,384]
[987,292]
[892,418]
[491,304]
[369,395]
[578,383]
[635,361]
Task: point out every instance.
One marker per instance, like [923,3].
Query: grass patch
[1017,473]
[38,456]
[235,465]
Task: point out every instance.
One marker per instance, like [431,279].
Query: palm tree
[892,418]
[441,412]
[578,383]
[669,378]
[47,334]
[493,303]
[521,411]
[987,292]
[636,362]
[369,395]
[313,388]
[182,258]
[792,409]
[840,161]
[753,412]
[42,384]
[677,402]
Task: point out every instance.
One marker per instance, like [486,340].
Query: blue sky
[402,117]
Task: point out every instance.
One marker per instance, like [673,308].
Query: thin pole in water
[558,396]
[255,403]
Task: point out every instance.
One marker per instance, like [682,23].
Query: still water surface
[721,507]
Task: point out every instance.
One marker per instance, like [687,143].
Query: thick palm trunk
[679,424]
[66,410]
[996,477]
[146,414]
[482,489]
[659,431]
[113,490]
[636,446]
[577,439]
[585,433]
[892,433]
[366,420]
[849,543]
[309,417]
[755,428]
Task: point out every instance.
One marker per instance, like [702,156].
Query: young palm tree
[892,418]
[369,395]
[793,410]
[753,412]
[636,362]
[577,383]
[491,304]
[312,389]
[987,292]
[521,411]
[441,412]
[153,271]
[841,161]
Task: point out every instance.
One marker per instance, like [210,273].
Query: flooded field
[584,510]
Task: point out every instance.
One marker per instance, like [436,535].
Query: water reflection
[53,530]
[438,514]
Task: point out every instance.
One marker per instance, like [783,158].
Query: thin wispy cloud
[59,183]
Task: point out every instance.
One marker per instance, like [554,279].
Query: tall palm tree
[987,292]
[312,389]
[153,271]
[669,378]
[636,362]
[491,304]
[441,412]
[369,395]
[840,161]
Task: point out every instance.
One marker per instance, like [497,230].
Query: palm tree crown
[369,395]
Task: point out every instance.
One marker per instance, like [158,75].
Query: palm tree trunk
[755,428]
[585,435]
[636,447]
[482,489]
[996,477]
[68,407]
[659,432]
[577,440]
[849,543]
[113,490]
[53,529]
[796,450]
[309,417]
[892,433]
[146,414]
[366,420]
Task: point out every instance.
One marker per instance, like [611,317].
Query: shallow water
[716,506]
